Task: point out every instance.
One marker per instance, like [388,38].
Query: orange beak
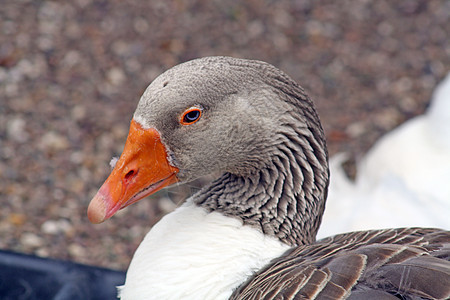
[142,170]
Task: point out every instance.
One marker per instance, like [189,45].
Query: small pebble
[56,226]
[31,240]
[16,130]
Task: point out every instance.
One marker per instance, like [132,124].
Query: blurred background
[72,72]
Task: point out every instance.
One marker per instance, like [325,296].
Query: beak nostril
[130,175]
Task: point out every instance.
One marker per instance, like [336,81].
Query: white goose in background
[250,234]
[404,179]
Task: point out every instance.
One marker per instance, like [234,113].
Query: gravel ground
[71,74]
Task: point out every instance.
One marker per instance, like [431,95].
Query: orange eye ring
[191,115]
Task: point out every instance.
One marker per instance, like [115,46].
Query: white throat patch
[193,254]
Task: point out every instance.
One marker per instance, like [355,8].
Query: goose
[250,233]
[407,170]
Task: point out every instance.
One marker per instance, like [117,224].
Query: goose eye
[191,116]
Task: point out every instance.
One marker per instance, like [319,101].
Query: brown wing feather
[376,264]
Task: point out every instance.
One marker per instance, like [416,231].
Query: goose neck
[285,199]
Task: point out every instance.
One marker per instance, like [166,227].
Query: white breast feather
[192,254]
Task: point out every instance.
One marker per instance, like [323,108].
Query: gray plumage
[261,131]
[409,263]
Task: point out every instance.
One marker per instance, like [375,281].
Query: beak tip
[97,210]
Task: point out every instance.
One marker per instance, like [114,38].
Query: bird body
[401,181]
[250,233]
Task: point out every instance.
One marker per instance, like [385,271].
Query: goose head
[219,115]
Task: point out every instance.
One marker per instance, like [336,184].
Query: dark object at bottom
[26,277]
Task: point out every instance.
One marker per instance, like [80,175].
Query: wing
[378,264]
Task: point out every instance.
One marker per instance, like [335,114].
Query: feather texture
[411,263]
